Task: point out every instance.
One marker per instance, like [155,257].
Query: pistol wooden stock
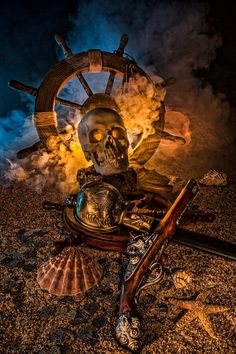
[143,252]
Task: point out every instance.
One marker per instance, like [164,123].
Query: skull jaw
[111,168]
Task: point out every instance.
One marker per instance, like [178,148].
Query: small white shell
[181,279]
[214,178]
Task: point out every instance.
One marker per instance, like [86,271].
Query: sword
[183,236]
[205,243]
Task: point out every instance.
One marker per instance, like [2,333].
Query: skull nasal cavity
[109,142]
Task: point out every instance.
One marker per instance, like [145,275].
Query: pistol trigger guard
[153,277]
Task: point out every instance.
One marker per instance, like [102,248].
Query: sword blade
[205,243]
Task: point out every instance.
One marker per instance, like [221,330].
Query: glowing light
[58,168]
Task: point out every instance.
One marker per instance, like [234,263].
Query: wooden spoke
[166,82]
[33,91]
[122,45]
[110,82]
[85,84]
[177,139]
[17,85]
[119,52]
[125,78]
[67,51]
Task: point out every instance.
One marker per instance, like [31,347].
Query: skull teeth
[109,158]
[110,154]
[111,161]
[120,157]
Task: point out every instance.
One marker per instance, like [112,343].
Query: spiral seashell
[181,279]
[69,273]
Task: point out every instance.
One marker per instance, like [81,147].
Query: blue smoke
[16,130]
[94,28]
[28,50]
[169,37]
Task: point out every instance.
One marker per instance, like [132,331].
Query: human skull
[103,138]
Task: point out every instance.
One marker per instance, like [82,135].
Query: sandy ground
[36,322]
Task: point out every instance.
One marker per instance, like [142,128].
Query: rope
[44,119]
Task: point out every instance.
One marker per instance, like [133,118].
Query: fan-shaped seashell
[214,178]
[69,273]
[181,279]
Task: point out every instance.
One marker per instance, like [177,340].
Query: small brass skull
[103,138]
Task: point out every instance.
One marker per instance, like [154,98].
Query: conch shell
[69,273]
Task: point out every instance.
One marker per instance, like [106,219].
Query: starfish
[197,309]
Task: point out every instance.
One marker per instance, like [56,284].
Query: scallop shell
[181,279]
[69,273]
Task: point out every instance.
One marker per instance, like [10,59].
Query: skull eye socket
[117,133]
[96,135]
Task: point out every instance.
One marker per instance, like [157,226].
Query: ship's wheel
[75,65]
